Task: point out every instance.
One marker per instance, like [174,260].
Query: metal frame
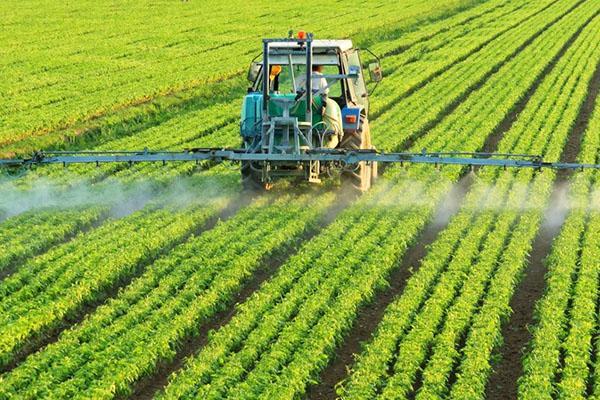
[271,124]
[337,156]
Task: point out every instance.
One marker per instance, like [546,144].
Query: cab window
[335,90]
[359,84]
[285,78]
[282,83]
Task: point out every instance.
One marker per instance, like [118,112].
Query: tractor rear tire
[360,178]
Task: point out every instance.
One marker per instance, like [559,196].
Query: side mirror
[254,71]
[375,72]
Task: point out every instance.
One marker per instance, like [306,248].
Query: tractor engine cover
[251,118]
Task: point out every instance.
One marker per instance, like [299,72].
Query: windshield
[284,79]
[290,80]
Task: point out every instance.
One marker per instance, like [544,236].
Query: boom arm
[336,156]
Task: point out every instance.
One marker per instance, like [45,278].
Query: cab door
[358,88]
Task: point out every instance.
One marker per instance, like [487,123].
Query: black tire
[359,178]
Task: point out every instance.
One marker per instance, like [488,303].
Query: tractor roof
[343,44]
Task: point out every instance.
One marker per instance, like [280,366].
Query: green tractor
[307,95]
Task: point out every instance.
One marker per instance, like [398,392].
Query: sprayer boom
[336,157]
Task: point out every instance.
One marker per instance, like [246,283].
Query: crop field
[144,280]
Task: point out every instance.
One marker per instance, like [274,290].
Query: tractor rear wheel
[360,177]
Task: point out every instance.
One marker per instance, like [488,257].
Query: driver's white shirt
[318,82]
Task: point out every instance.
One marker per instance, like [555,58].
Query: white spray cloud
[121,198]
[517,197]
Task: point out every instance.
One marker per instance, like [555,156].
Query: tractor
[305,96]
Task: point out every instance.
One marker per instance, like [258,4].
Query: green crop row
[302,364]
[578,345]
[226,137]
[174,170]
[293,273]
[164,306]
[473,255]
[399,313]
[162,137]
[473,382]
[158,137]
[294,358]
[346,296]
[474,41]
[73,76]
[458,42]
[401,43]
[579,367]
[33,232]
[210,127]
[465,280]
[485,333]
[366,379]
[131,120]
[328,275]
[572,268]
[424,106]
[229,139]
[437,372]
[58,284]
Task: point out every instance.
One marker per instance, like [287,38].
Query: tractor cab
[306,94]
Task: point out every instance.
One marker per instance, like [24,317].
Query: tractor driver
[274,72]
[319,83]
